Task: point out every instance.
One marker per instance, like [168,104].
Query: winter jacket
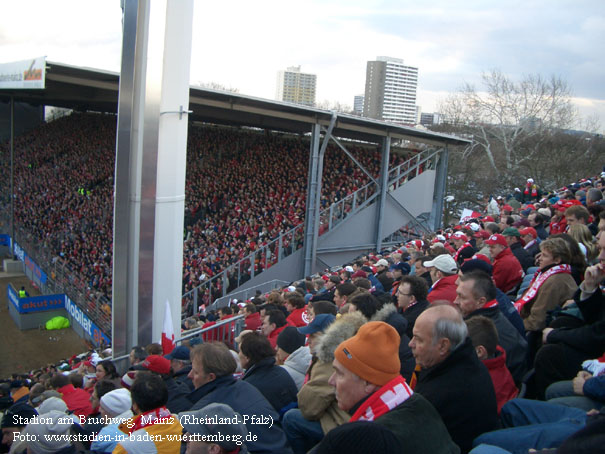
[419,427]
[182,376]
[109,435]
[176,390]
[525,259]
[296,364]
[412,313]
[317,399]
[507,308]
[461,390]
[273,382]
[508,272]
[298,317]
[76,399]
[388,314]
[387,282]
[443,289]
[557,289]
[509,338]
[253,321]
[590,338]
[504,385]
[273,336]
[246,400]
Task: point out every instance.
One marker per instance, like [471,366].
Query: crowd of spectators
[243,189]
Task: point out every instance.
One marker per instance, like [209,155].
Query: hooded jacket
[296,364]
[317,398]
[508,272]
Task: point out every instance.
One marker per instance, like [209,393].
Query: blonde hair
[582,235]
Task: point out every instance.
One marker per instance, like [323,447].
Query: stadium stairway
[347,229]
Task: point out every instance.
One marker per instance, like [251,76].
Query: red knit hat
[372,354]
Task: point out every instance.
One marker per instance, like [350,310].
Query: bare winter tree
[217,86]
[517,129]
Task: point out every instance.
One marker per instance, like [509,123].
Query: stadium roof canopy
[85,89]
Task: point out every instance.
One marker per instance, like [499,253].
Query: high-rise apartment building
[391,91]
[294,86]
[358,105]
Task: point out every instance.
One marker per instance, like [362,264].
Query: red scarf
[157,416]
[391,395]
[465,245]
[537,281]
[534,190]
[489,304]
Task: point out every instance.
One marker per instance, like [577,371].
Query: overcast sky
[242,44]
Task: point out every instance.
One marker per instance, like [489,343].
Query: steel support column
[384,181]
[440,189]
[311,191]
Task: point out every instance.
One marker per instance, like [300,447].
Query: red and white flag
[167,331]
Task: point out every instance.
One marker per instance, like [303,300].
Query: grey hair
[454,330]
[594,194]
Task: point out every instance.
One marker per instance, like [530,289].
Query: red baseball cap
[497,239]
[460,236]
[507,208]
[482,234]
[154,363]
[488,219]
[529,231]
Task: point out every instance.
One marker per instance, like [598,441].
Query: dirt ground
[22,351]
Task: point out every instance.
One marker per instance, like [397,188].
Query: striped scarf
[391,395]
[464,246]
[537,281]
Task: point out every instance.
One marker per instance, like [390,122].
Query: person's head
[154,349]
[474,290]
[76,379]
[601,248]
[362,283]
[496,244]
[266,308]
[528,234]
[438,331]
[225,311]
[553,251]
[492,228]
[288,341]
[441,266]
[484,336]
[459,239]
[400,269]
[115,402]
[253,348]
[535,219]
[13,419]
[511,235]
[180,358]
[203,436]
[366,303]
[101,388]
[381,265]
[318,284]
[58,381]
[420,268]
[577,214]
[148,392]
[106,369]
[315,329]
[324,307]
[342,292]
[137,354]
[210,361]
[249,309]
[593,196]
[272,321]
[364,363]
[411,290]
[332,282]
[293,301]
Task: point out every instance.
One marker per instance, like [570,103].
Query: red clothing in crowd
[273,335]
[508,272]
[443,289]
[253,321]
[76,399]
[501,377]
[298,317]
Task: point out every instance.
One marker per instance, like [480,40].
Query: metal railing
[243,295]
[413,167]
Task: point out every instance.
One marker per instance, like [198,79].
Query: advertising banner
[30,264]
[5,240]
[96,335]
[24,74]
[35,303]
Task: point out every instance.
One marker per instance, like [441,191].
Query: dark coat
[182,376]
[246,400]
[412,313]
[541,231]
[589,338]
[461,390]
[387,282]
[510,340]
[419,427]
[176,390]
[525,258]
[507,308]
[274,382]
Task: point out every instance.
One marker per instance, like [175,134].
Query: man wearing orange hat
[369,387]
[530,236]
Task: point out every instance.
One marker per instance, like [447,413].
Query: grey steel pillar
[440,189]
[12,176]
[311,198]
[384,182]
[150,169]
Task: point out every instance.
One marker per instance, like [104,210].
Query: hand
[568,303]
[578,385]
[593,277]
[585,375]
[545,334]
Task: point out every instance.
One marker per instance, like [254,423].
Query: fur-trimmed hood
[342,329]
[388,313]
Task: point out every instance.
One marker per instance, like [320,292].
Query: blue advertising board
[30,264]
[5,240]
[94,332]
[35,303]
